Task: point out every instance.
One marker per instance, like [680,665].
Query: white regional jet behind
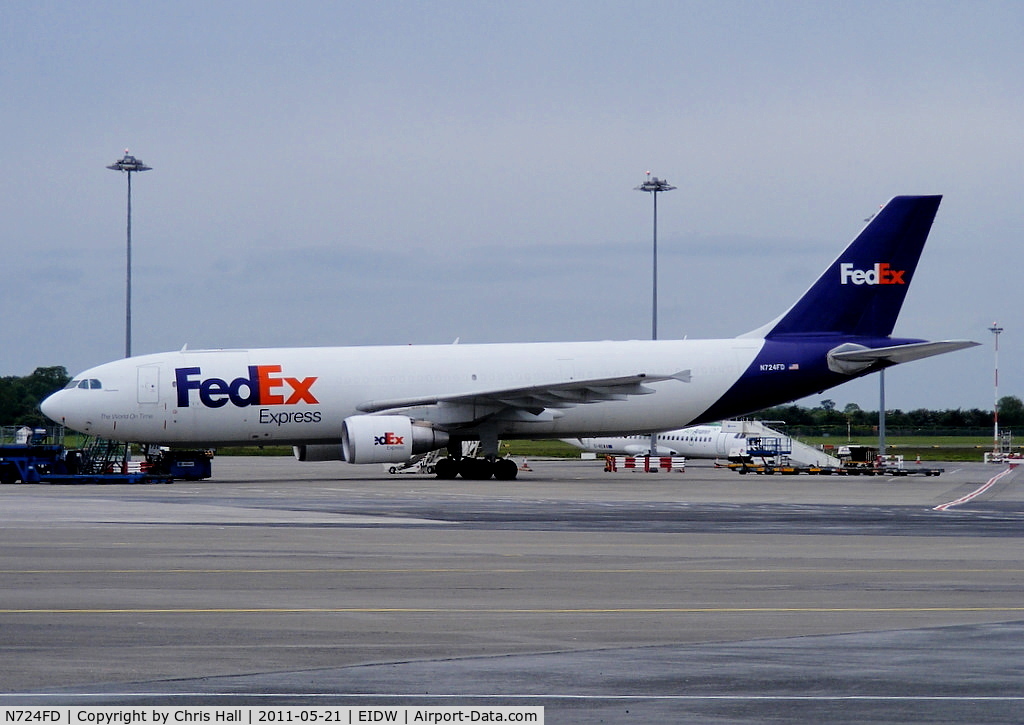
[387,404]
[697,441]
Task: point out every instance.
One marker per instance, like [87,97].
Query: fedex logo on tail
[881,273]
[264,386]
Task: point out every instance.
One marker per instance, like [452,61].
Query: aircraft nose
[52,408]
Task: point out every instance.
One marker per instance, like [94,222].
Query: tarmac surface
[702,596]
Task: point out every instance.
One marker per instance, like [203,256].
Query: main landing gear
[476,469]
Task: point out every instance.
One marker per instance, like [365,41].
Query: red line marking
[976,492]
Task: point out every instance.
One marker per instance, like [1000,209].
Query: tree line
[20,398]
[828,418]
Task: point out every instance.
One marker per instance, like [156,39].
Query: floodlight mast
[654,185]
[996,330]
[128,164]
[881,413]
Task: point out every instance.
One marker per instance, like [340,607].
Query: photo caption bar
[262,715]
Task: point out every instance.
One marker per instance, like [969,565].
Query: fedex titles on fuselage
[263,387]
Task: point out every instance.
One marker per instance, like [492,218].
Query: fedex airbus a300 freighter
[388,404]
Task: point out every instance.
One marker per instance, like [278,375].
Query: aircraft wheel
[505,469]
[447,469]
[476,469]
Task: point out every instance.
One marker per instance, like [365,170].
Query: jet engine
[387,439]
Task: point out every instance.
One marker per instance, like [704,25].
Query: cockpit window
[89,384]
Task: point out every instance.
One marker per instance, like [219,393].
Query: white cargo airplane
[387,404]
[697,441]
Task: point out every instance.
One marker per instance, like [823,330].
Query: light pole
[996,330]
[128,164]
[654,185]
[881,412]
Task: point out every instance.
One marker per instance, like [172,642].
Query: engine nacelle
[387,439]
[319,452]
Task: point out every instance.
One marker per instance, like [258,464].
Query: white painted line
[976,492]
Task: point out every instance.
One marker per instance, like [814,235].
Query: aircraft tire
[505,469]
[476,469]
[447,469]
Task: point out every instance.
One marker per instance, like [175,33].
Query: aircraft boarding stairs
[765,443]
[101,456]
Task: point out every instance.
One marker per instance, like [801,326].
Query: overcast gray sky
[349,173]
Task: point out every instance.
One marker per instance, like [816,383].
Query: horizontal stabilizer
[852,358]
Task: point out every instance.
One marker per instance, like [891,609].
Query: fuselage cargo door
[149,384]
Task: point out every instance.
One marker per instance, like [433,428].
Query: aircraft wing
[534,402]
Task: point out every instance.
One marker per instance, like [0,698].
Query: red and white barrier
[647,464]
